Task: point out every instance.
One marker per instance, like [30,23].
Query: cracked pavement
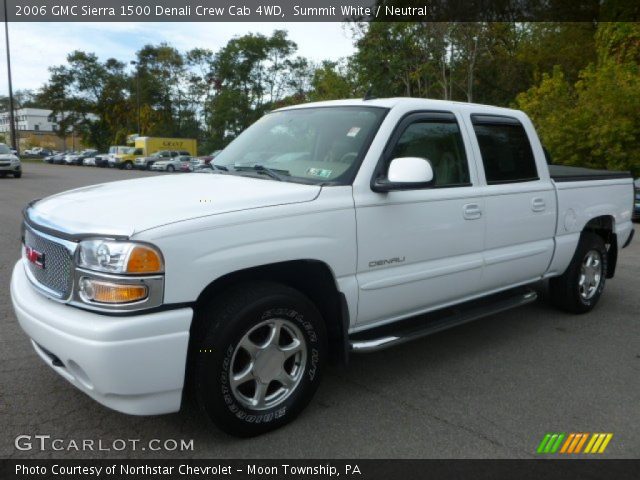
[489,389]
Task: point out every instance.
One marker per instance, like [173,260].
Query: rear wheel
[580,287]
[128,166]
[170,168]
[257,358]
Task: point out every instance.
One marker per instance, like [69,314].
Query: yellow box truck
[145,147]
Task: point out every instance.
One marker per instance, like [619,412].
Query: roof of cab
[405,102]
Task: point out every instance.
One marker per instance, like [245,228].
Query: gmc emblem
[34,256]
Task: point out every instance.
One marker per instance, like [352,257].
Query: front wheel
[17,175]
[580,287]
[257,358]
[170,168]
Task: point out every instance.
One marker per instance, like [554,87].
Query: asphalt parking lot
[490,389]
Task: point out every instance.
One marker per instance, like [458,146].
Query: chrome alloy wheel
[267,364]
[590,274]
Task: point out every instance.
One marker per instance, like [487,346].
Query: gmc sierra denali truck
[330,228]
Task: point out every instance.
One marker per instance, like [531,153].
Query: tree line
[579,82]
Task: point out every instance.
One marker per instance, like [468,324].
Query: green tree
[332,81]
[253,74]
[595,121]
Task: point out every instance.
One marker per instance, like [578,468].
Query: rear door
[519,198]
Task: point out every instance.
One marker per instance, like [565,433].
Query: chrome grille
[56,277]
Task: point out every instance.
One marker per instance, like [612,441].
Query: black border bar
[551,469]
[322,11]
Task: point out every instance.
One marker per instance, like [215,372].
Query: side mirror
[406,173]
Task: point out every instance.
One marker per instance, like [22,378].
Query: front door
[420,249]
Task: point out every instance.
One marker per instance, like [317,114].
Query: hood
[126,207]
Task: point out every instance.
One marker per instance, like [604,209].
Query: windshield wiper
[219,167]
[276,174]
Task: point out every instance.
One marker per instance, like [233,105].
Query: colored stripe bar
[543,443]
[606,441]
[593,439]
[574,443]
[555,447]
[581,443]
[550,443]
[567,443]
[599,440]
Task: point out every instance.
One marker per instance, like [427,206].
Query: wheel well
[311,277]
[604,226]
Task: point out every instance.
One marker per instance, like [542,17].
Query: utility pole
[11,112]
[133,62]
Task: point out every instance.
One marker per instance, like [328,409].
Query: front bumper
[9,167]
[132,364]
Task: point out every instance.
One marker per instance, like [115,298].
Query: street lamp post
[12,125]
[133,62]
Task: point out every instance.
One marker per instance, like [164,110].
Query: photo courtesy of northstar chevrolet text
[346,234]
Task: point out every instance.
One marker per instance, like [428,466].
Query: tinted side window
[506,152]
[441,144]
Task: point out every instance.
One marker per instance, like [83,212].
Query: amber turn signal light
[143,259]
[107,292]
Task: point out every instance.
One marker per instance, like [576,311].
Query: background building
[36,128]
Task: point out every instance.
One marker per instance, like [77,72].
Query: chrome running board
[413,328]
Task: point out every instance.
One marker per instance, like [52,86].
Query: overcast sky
[37,46]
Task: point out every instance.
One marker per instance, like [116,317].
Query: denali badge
[34,256]
[387,261]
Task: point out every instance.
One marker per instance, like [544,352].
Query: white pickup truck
[334,227]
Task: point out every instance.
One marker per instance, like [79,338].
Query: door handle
[472,211]
[538,204]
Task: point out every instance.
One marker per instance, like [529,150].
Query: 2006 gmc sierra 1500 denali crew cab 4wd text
[330,228]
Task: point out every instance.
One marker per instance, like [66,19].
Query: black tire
[17,175]
[565,290]
[3,174]
[128,166]
[223,324]
[170,168]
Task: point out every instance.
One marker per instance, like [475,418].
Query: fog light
[107,292]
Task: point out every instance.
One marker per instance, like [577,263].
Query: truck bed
[564,173]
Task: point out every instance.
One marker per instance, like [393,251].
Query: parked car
[145,163]
[204,168]
[171,164]
[636,204]
[89,162]
[392,220]
[9,162]
[101,160]
[70,158]
[59,158]
[191,164]
[211,156]
[76,158]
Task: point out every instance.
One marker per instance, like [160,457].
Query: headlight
[119,257]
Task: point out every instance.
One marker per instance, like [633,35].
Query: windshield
[4,150]
[311,145]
